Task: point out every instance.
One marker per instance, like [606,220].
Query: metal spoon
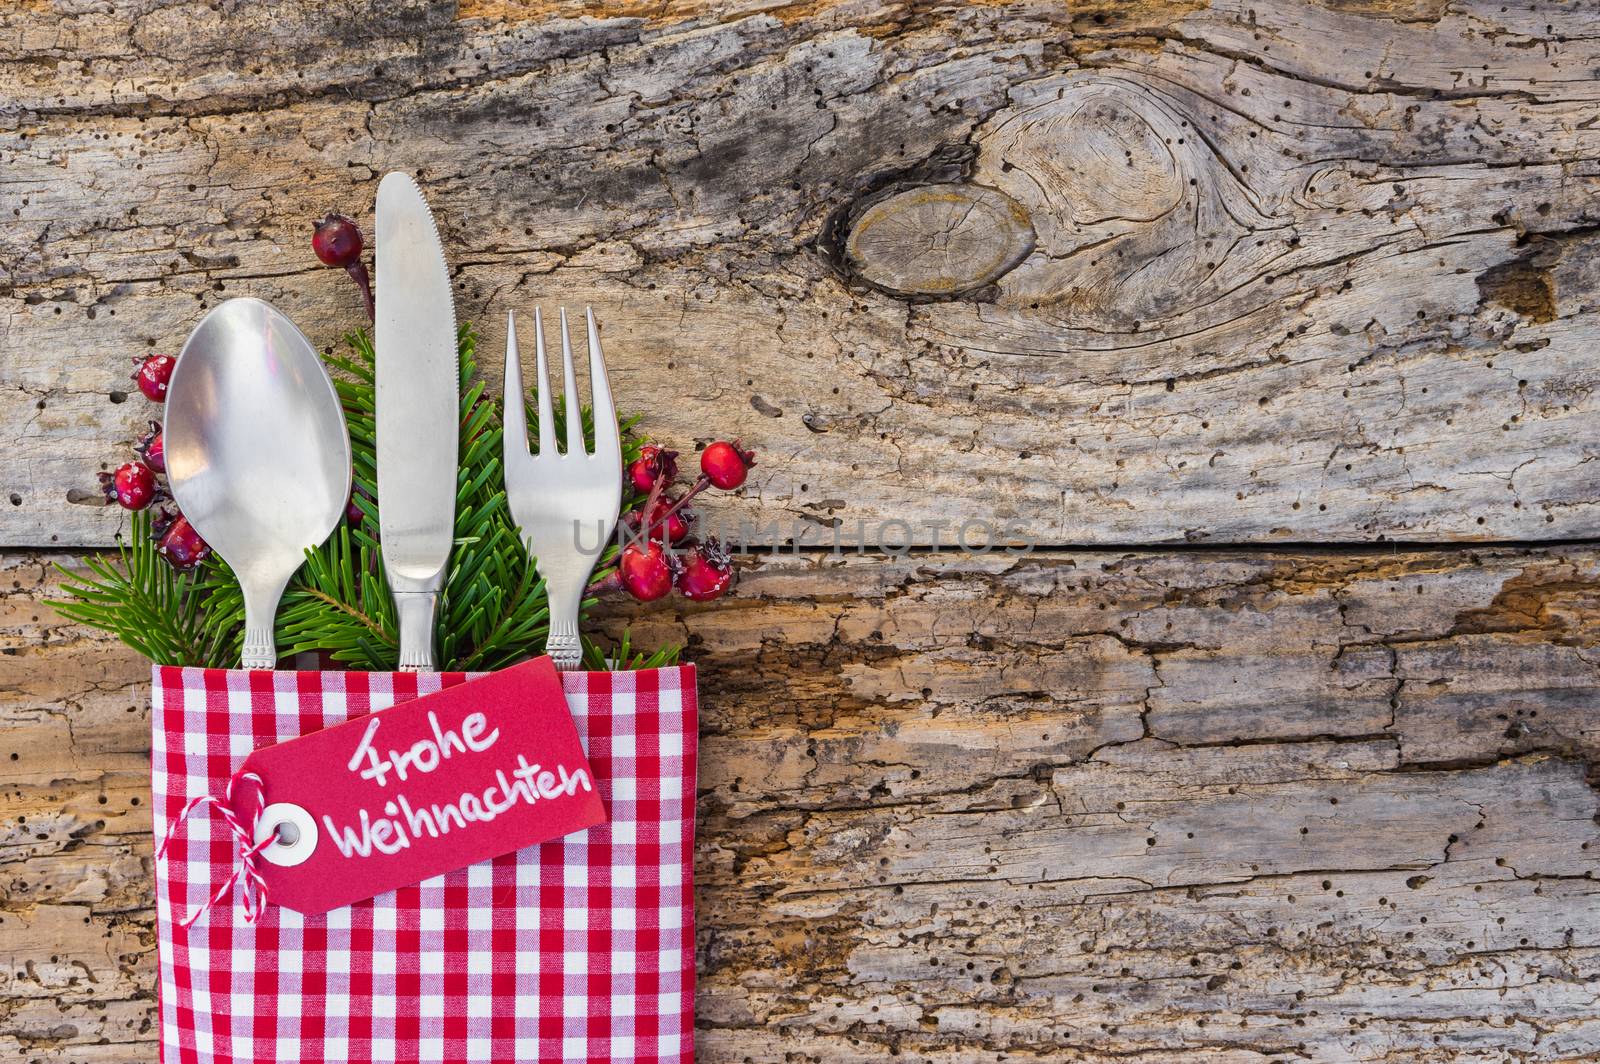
[258,455]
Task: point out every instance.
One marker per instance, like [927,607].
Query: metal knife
[417,412]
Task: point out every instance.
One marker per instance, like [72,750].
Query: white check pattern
[581,949]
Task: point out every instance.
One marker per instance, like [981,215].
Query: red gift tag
[410,792]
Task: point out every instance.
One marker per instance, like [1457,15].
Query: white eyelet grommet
[296,831]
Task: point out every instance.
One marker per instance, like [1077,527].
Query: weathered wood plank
[1300,271]
[1205,807]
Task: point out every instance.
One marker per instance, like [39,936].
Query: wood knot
[938,240]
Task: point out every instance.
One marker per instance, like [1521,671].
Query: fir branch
[623,657]
[156,610]
[338,604]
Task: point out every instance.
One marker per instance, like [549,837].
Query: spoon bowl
[257,452]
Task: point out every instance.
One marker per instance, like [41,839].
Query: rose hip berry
[726,464]
[151,448]
[336,240]
[152,376]
[706,573]
[654,463]
[662,551]
[646,573]
[665,527]
[132,486]
[182,546]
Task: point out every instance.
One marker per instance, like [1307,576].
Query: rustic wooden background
[1276,324]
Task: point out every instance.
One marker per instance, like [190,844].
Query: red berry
[645,571]
[151,448]
[132,486]
[182,546]
[353,511]
[707,572]
[337,241]
[653,463]
[160,520]
[676,526]
[725,464]
[152,376]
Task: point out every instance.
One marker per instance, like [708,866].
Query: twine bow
[253,895]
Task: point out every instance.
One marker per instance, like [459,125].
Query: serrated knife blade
[417,411]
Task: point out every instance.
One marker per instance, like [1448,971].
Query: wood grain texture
[1091,806]
[1300,272]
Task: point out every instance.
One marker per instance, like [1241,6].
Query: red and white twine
[253,895]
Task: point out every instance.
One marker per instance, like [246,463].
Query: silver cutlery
[417,412]
[565,504]
[257,453]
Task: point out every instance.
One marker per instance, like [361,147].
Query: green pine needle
[149,605]
[623,657]
[493,611]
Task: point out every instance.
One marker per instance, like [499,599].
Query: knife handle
[415,610]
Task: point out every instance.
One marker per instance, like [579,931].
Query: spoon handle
[260,611]
[259,652]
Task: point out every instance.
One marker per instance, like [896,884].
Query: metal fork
[565,503]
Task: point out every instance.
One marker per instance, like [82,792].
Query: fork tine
[607,444]
[514,417]
[569,381]
[547,412]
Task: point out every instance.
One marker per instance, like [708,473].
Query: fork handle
[415,612]
[562,642]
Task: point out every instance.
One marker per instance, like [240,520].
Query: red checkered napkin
[581,949]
